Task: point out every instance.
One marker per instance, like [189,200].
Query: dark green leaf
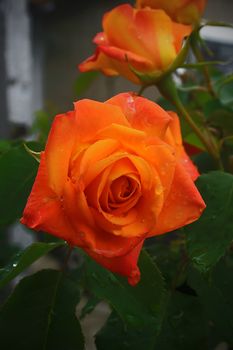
[168,253]
[17,172]
[40,314]
[215,293]
[184,326]
[140,307]
[84,81]
[209,237]
[226,95]
[205,162]
[122,337]
[25,258]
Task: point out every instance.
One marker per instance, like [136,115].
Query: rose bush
[111,175]
[183,11]
[142,40]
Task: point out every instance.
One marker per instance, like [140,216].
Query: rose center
[122,190]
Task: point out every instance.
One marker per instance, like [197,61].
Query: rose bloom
[111,175]
[142,40]
[183,11]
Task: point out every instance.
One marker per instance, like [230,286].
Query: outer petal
[174,138]
[143,114]
[114,61]
[99,61]
[93,116]
[58,150]
[125,265]
[184,11]
[184,204]
[44,210]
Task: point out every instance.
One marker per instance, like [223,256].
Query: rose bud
[113,174]
[143,41]
[183,11]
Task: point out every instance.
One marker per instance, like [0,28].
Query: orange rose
[144,40]
[183,11]
[111,175]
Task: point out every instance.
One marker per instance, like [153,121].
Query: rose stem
[167,88]
[198,54]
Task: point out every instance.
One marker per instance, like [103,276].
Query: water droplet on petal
[134,277]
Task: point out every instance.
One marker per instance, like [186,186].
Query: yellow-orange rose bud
[142,40]
[111,175]
[182,11]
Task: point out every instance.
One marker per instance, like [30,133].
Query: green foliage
[141,308]
[122,336]
[210,236]
[40,314]
[24,259]
[184,326]
[215,295]
[17,173]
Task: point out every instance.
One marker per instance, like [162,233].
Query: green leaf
[25,258]
[215,294]
[84,81]
[168,253]
[140,307]
[17,172]
[210,236]
[226,95]
[122,337]
[184,326]
[205,162]
[40,314]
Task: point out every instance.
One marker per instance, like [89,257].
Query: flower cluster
[115,173]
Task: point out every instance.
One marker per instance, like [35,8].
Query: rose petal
[143,114]
[183,205]
[174,138]
[44,210]
[58,150]
[87,232]
[93,116]
[125,265]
